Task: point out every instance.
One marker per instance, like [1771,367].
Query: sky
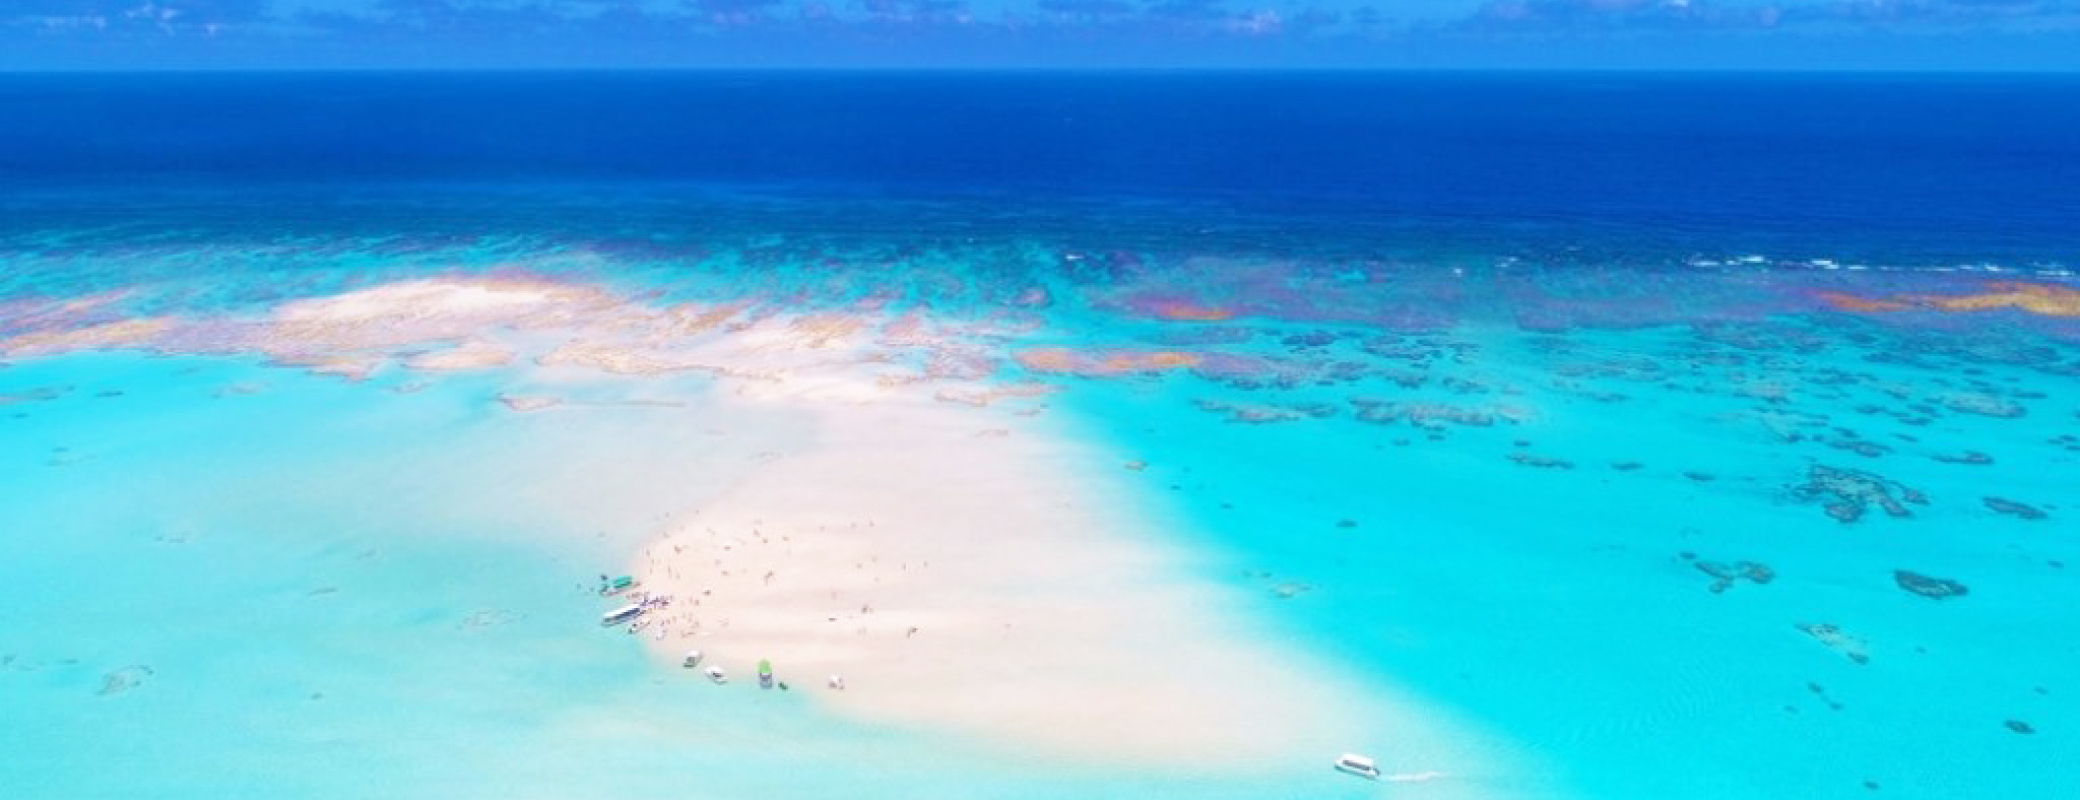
[1946,35]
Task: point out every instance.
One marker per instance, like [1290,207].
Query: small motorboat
[1358,765]
[715,674]
[693,659]
[620,615]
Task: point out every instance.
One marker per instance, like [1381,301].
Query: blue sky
[1626,34]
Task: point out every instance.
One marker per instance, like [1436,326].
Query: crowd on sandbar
[642,610]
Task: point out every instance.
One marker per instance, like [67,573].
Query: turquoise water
[1559,404]
[298,579]
[1565,605]
[301,582]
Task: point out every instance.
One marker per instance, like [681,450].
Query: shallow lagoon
[1494,456]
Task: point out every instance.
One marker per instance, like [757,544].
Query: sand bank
[971,567]
[986,574]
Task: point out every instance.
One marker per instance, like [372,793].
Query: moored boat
[621,615]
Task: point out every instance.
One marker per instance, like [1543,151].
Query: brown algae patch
[1104,363]
[105,336]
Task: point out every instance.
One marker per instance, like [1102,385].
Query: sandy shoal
[983,574]
[973,569]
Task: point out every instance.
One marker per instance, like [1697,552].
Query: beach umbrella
[765,666]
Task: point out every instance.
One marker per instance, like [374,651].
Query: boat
[617,585]
[693,659]
[715,674]
[621,615]
[765,674]
[1358,765]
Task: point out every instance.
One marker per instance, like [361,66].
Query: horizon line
[973,69]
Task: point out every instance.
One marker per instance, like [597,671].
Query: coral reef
[1725,575]
[1432,416]
[1847,493]
[1983,404]
[1262,413]
[123,680]
[1840,641]
[1928,586]
[2014,509]
[1104,363]
[1541,462]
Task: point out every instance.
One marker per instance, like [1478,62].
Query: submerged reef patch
[1263,413]
[1840,641]
[123,680]
[1431,415]
[1929,586]
[36,395]
[1983,404]
[2046,299]
[1724,575]
[1847,494]
[1105,363]
[2015,509]
[1540,462]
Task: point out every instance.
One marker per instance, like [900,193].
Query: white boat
[621,615]
[715,674]
[693,659]
[1358,765]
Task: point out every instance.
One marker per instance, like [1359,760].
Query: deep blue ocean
[1880,166]
[1608,415]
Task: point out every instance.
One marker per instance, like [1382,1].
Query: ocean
[1689,435]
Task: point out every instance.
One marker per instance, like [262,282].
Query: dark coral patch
[1541,462]
[1431,416]
[1725,575]
[2015,509]
[35,395]
[1847,493]
[1929,586]
[1263,413]
[1985,405]
[1311,339]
